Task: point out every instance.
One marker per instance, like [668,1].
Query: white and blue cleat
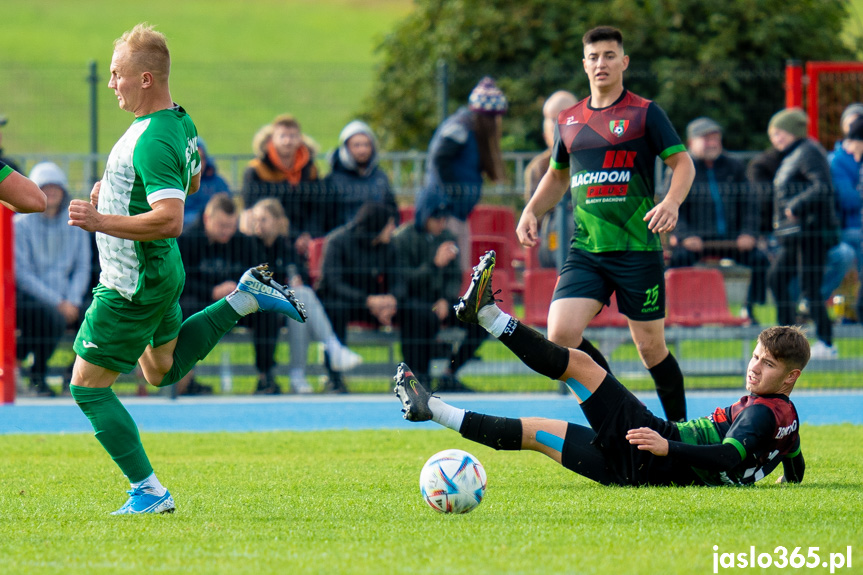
[142,501]
[270,295]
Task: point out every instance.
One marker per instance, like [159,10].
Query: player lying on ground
[626,444]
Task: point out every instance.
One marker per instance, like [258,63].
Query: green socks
[115,429]
[199,334]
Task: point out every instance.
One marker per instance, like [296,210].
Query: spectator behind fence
[613,138]
[760,174]
[845,164]
[52,274]
[355,176]
[804,223]
[719,218]
[549,232]
[284,168]
[211,184]
[463,148]
[359,277]
[215,255]
[431,283]
[272,230]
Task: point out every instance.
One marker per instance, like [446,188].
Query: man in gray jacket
[52,273]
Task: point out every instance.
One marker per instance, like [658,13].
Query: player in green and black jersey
[604,152]
[626,444]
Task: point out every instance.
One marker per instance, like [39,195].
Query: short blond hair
[148,49]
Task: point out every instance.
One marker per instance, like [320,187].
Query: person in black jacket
[431,281]
[720,217]
[215,255]
[358,275]
[804,223]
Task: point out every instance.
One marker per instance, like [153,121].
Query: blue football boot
[270,295]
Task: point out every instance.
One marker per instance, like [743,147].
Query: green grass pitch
[348,502]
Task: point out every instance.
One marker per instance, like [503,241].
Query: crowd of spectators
[791,215]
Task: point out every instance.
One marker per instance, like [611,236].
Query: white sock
[332,344]
[493,319]
[445,414]
[243,303]
[151,485]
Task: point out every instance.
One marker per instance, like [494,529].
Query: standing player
[137,214]
[626,444]
[605,149]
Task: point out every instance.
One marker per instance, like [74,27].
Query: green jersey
[154,160]
[611,153]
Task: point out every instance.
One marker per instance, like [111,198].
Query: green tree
[723,59]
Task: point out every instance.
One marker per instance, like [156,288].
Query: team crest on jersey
[618,127]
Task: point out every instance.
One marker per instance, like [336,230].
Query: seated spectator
[847,157]
[431,284]
[289,268]
[355,177]
[804,224]
[214,256]
[211,184]
[845,164]
[285,169]
[52,274]
[358,276]
[549,225]
[719,218]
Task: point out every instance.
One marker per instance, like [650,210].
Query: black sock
[535,351]
[594,354]
[495,432]
[668,380]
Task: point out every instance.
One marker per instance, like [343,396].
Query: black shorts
[606,456]
[638,278]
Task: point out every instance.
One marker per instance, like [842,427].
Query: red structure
[7,309]
[824,90]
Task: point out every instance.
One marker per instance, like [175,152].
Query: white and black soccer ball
[453,481]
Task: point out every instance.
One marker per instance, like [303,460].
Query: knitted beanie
[855,109]
[487,98]
[792,120]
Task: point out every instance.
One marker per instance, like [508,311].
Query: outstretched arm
[18,193]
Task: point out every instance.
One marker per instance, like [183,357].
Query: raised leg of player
[199,334]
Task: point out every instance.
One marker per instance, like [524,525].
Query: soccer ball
[452,481]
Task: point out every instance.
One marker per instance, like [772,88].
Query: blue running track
[354,412]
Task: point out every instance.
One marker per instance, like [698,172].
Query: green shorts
[115,332]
